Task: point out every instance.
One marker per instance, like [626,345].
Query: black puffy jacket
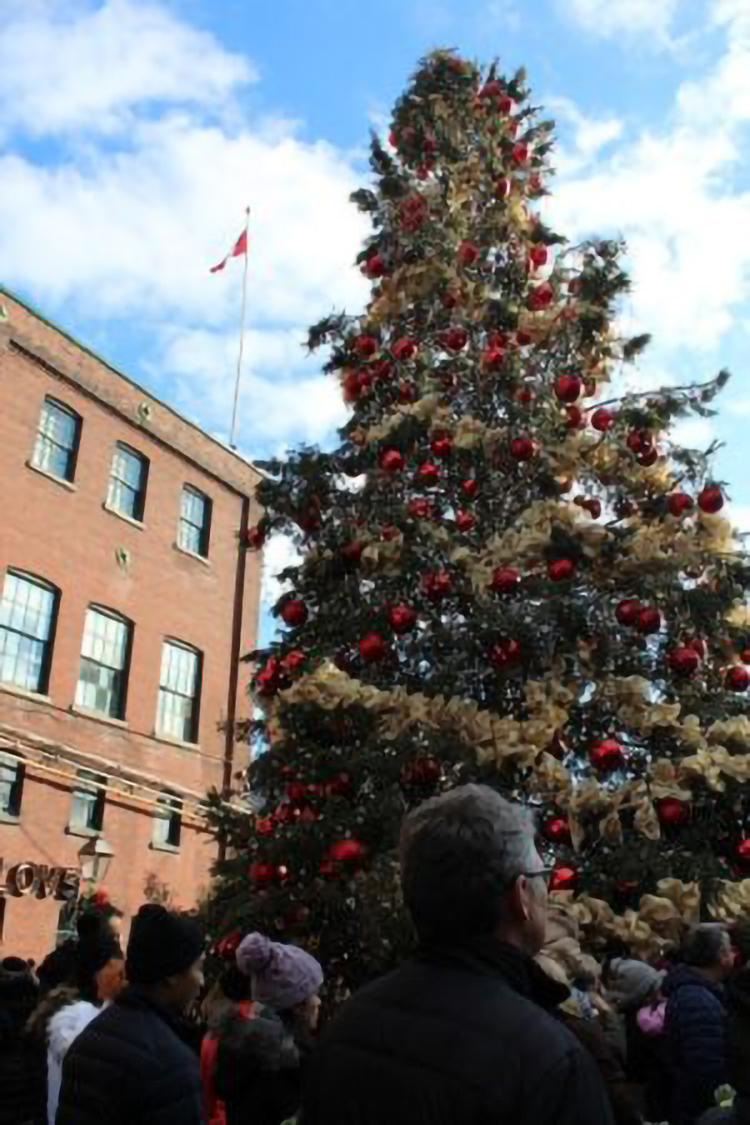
[130,1065]
[21,1099]
[738,1043]
[455,1037]
[695,1027]
[259,1069]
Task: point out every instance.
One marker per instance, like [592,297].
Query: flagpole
[232,444]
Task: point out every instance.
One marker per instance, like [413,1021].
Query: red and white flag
[239,248]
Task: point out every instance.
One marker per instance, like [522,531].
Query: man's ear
[518,898]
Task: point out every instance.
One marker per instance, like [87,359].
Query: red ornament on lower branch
[372,648]
[561,570]
[606,755]
[563,878]
[402,618]
[347,851]
[670,811]
[742,852]
[737,679]
[684,661]
[557,830]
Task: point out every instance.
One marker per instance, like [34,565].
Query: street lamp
[95,856]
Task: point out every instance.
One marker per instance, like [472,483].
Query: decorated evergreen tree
[507,575]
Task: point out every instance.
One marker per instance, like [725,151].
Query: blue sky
[133,133]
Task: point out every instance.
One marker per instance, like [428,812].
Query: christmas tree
[507,574]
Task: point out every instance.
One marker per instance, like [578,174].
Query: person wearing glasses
[464,1032]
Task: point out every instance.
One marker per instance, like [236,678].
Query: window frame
[172,817]
[174,643]
[62,408]
[48,644]
[15,801]
[124,672]
[204,530]
[90,782]
[139,512]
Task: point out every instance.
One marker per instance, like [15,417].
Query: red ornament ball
[437,584]
[505,580]
[420,508]
[639,441]
[684,661]
[560,570]
[264,825]
[540,297]
[455,338]
[468,252]
[602,419]
[256,537]
[557,830]
[568,387]
[523,338]
[423,771]
[366,345]
[441,445]
[711,500]
[742,851]
[372,648]
[520,153]
[492,358]
[402,618]
[469,488]
[539,255]
[403,349]
[373,267]
[294,613]
[505,654]
[522,448]
[563,878]
[649,620]
[670,811]
[628,612]
[263,873]
[606,755]
[649,458]
[428,473]
[346,851]
[737,678]
[575,417]
[464,521]
[502,188]
[391,460]
[679,503]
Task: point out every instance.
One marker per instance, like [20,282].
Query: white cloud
[608,18]
[673,195]
[67,65]
[278,554]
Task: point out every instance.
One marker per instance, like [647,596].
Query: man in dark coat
[695,1023]
[131,1063]
[463,1033]
[22,1102]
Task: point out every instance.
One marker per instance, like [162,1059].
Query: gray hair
[459,853]
[705,945]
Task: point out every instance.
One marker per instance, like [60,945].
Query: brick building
[126,601]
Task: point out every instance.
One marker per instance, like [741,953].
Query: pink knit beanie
[283,975]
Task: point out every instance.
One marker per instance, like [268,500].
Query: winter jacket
[20,1101]
[603,1037]
[738,1043]
[459,1036]
[64,1027]
[130,1065]
[259,1069]
[695,1032]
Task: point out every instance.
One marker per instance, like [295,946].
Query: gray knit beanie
[283,975]
[633,982]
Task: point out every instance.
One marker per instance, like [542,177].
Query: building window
[87,805]
[168,822]
[57,438]
[195,521]
[27,625]
[179,692]
[11,785]
[127,483]
[104,663]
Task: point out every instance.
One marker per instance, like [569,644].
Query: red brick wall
[68,538]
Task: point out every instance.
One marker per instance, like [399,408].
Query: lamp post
[95,856]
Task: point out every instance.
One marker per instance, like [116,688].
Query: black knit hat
[161,945]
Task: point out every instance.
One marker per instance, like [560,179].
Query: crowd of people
[499,1016]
